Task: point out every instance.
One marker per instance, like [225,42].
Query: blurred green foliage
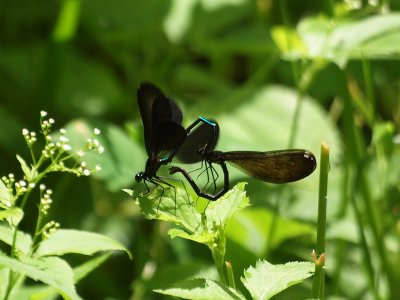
[274,74]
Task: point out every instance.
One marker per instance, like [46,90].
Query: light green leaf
[24,240]
[202,289]
[24,166]
[252,229]
[50,270]
[12,215]
[222,211]
[262,123]
[267,280]
[30,173]
[65,241]
[121,156]
[171,205]
[48,292]
[370,38]
[191,224]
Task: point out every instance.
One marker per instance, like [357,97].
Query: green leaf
[252,228]
[267,280]
[30,173]
[12,215]
[263,123]
[200,289]
[65,241]
[374,37]
[222,211]
[47,292]
[24,240]
[191,224]
[121,156]
[50,270]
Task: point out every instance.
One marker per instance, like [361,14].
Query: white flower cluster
[49,229]
[29,136]
[45,199]
[94,144]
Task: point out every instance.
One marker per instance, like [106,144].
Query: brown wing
[280,166]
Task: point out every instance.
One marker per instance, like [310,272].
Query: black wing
[168,137]
[154,107]
[280,166]
[205,136]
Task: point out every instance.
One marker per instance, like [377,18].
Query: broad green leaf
[222,211]
[262,123]
[12,215]
[171,205]
[370,38]
[202,289]
[181,210]
[93,93]
[47,292]
[24,240]
[50,270]
[252,228]
[179,17]
[267,280]
[65,241]
[172,273]
[121,156]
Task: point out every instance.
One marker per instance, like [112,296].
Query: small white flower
[80,153]
[49,137]
[43,113]
[98,168]
[51,121]
[32,185]
[42,187]
[62,131]
[67,147]
[100,149]
[25,131]
[83,164]
[63,139]
[22,183]
[96,131]
[86,172]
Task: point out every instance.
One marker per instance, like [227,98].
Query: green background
[247,64]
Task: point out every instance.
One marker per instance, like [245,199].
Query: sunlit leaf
[202,289]
[50,270]
[12,215]
[65,241]
[23,241]
[266,280]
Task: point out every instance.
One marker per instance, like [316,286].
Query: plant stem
[318,284]
[218,252]
[231,276]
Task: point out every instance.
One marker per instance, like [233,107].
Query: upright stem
[318,284]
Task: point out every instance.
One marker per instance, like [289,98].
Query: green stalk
[318,283]
[218,253]
[231,275]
